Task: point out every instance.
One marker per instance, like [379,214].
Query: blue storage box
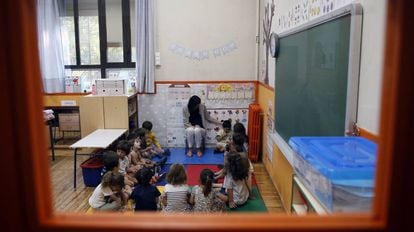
[91,171]
[339,171]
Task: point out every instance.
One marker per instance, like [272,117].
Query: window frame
[28,198]
[103,43]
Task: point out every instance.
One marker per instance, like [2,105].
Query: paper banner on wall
[202,54]
[304,10]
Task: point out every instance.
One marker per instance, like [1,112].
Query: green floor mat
[256,205]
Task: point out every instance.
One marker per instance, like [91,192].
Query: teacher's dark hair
[193,103]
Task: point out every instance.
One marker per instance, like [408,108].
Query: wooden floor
[65,198]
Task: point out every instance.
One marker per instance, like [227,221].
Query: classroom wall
[278,167]
[199,25]
[371,55]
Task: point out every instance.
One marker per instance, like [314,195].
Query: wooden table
[101,138]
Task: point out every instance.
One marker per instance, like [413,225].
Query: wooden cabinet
[107,112]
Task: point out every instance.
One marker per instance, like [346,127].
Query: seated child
[224,136]
[140,144]
[235,146]
[239,128]
[145,195]
[152,141]
[204,197]
[235,181]
[176,191]
[138,161]
[238,146]
[108,196]
[111,164]
[122,150]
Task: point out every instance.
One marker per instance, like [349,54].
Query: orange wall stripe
[202,82]
[368,135]
[66,94]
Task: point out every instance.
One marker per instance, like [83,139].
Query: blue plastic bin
[91,171]
[338,170]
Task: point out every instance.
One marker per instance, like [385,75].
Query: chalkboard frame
[356,18]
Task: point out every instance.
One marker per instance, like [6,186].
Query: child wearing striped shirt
[176,191]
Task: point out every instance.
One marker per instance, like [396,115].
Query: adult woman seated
[195,121]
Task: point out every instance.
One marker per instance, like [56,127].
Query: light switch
[157,58]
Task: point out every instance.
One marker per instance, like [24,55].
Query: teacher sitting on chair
[195,116]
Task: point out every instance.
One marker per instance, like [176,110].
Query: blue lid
[343,160]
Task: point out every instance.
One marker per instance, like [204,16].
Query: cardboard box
[69,122]
[110,87]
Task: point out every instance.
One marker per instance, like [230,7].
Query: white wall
[372,57]
[205,25]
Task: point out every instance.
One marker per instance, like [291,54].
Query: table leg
[74,168]
[52,141]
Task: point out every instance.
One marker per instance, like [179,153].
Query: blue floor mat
[165,169]
[178,156]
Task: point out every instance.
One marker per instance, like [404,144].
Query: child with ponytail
[204,197]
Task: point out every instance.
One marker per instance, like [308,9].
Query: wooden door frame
[26,194]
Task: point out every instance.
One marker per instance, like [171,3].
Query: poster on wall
[235,115]
[229,95]
[269,146]
[165,108]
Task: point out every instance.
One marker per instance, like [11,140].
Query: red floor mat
[193,173]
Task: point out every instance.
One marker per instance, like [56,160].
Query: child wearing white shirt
[108,195]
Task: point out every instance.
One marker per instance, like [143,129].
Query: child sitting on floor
[151,140]
[239,128]
[140,144]
[108,195]
[111,164]
[125,168]
[145,195]
[235,181]
[139,161]
[238,146]
[204,197]
[223,137]
[235,146]
[176,191]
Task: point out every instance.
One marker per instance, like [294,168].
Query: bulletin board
[165,108]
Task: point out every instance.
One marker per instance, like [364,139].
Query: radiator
[253,131]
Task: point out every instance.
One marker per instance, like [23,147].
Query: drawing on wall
[202,54]
[269,146]
[267,30]
[165,109]
[304,10]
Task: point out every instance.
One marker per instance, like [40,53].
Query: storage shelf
[314,203]
[132,113]
[300,209]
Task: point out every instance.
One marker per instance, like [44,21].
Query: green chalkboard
[311,80]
